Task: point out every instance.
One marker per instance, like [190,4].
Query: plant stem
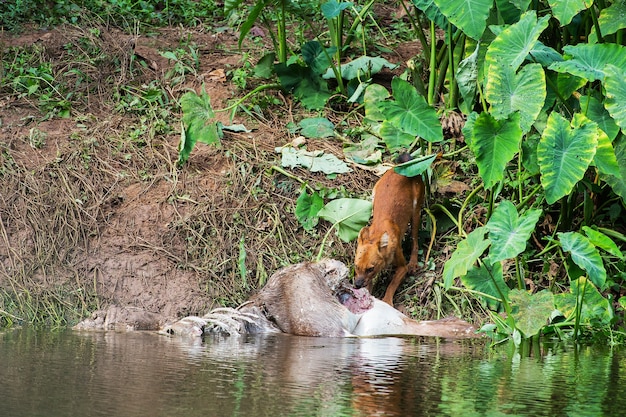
[447,213]
[465,203]
[251,93]
[433,64]
[282,35]
[529,197]
[596,25]
[467,290]
[433,233]
[321,251]
[293,177]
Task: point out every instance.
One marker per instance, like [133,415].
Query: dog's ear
[363,234]
[384,241]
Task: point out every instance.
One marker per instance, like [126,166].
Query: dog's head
[372,256]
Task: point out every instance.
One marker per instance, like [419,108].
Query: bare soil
[92,214]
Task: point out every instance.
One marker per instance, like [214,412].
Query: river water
[81,374]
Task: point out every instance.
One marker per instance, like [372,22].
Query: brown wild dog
[397,200]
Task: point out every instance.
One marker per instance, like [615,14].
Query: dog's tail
[403,157]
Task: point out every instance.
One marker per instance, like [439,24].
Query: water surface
[68,373]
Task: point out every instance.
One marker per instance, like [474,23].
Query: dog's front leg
[398,277]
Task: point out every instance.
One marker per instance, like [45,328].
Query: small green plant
[186,62]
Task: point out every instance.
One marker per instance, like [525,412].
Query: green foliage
[410,113]
[307,209]
[487,280]
[317,127]
[564,154]
[548,130]
[416,166]
[15,13]
[584,304]
[494,143]
[468,15]
[198,124]
[509,232]
[585,255]
[531,311]
[465,256]
[348,215]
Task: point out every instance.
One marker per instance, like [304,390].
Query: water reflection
[143,374]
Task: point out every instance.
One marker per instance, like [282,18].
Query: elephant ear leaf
[199,124]
[468,15]
[410,112]
[615,101]
[564,154]
[349,215]
[509,232]
[514,43]
[590,61]
[564,11]
[494,143]
[524,92]
[531,311]
[585,255]
[487,279]
[465,256]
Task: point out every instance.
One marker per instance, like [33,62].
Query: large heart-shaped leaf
[615,85]
[509,232]
[618,182]
[307,86]
[349,215]
[602,241]
[395,138]
[611,19]
[468,15]
[466,78]
[307,209]
[564,154]
[465,256]
[196,107]
[332,8]
[312,94]
[589,61]
[198,124]
[594,110]
[495,143]
[487,279]
[567,84]
[373,96]
[316,56]
[416,166]
[509,11]
[513,44]
[359,67]
[317,127]
[509,92]
[595,308]
[565,10]
[544,55]
[411,113]
[531,311]
[585,255]
[432,12]
[604,159]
